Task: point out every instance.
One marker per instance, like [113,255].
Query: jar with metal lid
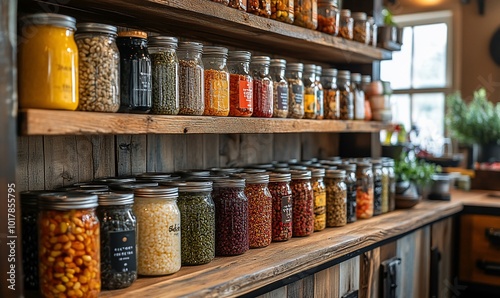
[373,29]
[346,104]
[135,72]
[118,239]
[216,81]
[310,91]
[293,76]
[281,192]
[191,79]
[361,29]
[240,84]
[365,82]
[69,238]
[280,88]
[350,182]
[159,230]
[364,191]
[111,180]
[303,203]
[197,221]
[385,186]
[131,186]
[346,24]
[259,7]
[389,165]
[377,186]
[306,13]
[282,10]
[358,96]
[320,108]
[231,217]
[238,4]
[328,16]
[98,68]
[319,190]
[336,198]
[48,62]
[262,87]
[153,176]
[165,72]
[330,93]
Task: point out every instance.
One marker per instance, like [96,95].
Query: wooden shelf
[54,122]
[209,21]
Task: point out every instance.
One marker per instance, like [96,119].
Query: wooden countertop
[230,276]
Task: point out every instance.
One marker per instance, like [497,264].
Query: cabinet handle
[434,282]
[489,268]
[493,236]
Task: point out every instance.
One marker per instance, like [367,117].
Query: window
[420,74]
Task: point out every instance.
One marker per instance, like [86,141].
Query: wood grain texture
[30,163]
[61,161]
[349,276]
[211,154]
[286,146]
[369,272]
[320,145]
[256,148]
[327,282]
[441,237]
[160,153]
[52,122]
[131,151]
[103,156]
[278,293]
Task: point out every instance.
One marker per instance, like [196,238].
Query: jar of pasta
[303,203]
[262,87]
[191,79]
[364,190]
[306,13]
[330,94]
[159,230]
[69,240]
[350,182]
[336,198]
[280,88]
[216,81]
[259,7]
[282,10]
[320,107]
[240,84]
[293,75]
[48,62]
[346,104]
[279,187]
[328,16]
[361,29]
[346,24]
[310,91]
[319,189]
[260,209]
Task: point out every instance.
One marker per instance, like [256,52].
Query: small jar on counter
[373,28]
[260,209]
[165,69]
[231,217]
[364,190]
[331,99]
[306,13]
[159,230]
[135,72]
[346,24]
[310,91]
[282,10]
[328,16]
[346,104]
[262,87]
[319,190]
[320,107]
[281,192]
[216,81]
[295,90]
[361,31]
[350,182]
[336,198]
[98,68]
[240,84]
[259,7]
[191,79]
[118,240]
[358,96]
[280,88]
[303,203]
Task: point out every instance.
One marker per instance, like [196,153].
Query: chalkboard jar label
[123,251]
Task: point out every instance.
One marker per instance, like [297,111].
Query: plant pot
[407,195]
[486,152]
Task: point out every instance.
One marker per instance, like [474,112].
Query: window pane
[429,60]
[400,104]
[428,117]
[398,70]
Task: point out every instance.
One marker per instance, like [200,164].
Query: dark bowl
[405,202]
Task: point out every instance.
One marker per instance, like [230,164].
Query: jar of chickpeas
[361,28]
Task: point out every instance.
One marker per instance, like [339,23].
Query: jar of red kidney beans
[259,209]
[303,203]
[281,192]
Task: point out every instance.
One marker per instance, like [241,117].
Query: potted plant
[476,123]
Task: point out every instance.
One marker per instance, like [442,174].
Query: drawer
[479,253]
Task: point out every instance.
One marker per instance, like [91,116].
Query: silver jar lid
[230,182]
[190,45]
[281,165]
[211,51]
[153,176]
[317,172]
[370,20]
[130,186]
[225,171]
[266,60]
[109,198]
[295,67]
[359,16]
[319,70]
[345,12]
[30,198]
[366,79]
[160,192]
[255,178]
[280,177]
[348,167]
[278,63]
[355,77]
[67,201]
[239,56]
[162,41]
[253,171]
[190,186]
[110,180]
[335,173]
[310,68]
[297,174]
[265,166]
[330,72]
[91,188]
[53,19]
[193,172]
[96,28]
[298,167]
[344,74]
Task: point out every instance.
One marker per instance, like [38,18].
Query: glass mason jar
[165,70]
[310,91]
[350,182]
[262,87]
[259,7]
[361,30]
[293,76]
[216,81]
[118,240]
[159,230]
[280,88]
[389,166]
[331,100]
[98,68]
[377,186]
[231,217]
[303,203]
[68,238]
[358,96]
[365,82]
[260,209]
[320,108]
[346,104]
[197,221]
[373,29]
[336,198]
[282,10]
[319,190]
[240,84]
[238,4]
[191,79]
[135,72]
[346,24]
[48,62]
[306,13]
[281,192]
[328,16]
[385,186]
[364,190]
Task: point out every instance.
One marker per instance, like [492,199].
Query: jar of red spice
[231,217]
[216,81]
[262,87]
[336,198]
[303,203]
[260,209]
[259,7]
[240,84]
[319,190]
[364,190]
[328,16]
[281,192]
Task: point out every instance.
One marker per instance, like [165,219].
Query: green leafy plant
[414,170]
[388,17]
[475,123]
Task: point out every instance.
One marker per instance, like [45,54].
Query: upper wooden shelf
[209,21]
[54,122]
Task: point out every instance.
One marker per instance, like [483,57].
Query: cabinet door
[441,283]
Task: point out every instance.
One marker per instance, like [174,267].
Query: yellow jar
[48,62]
